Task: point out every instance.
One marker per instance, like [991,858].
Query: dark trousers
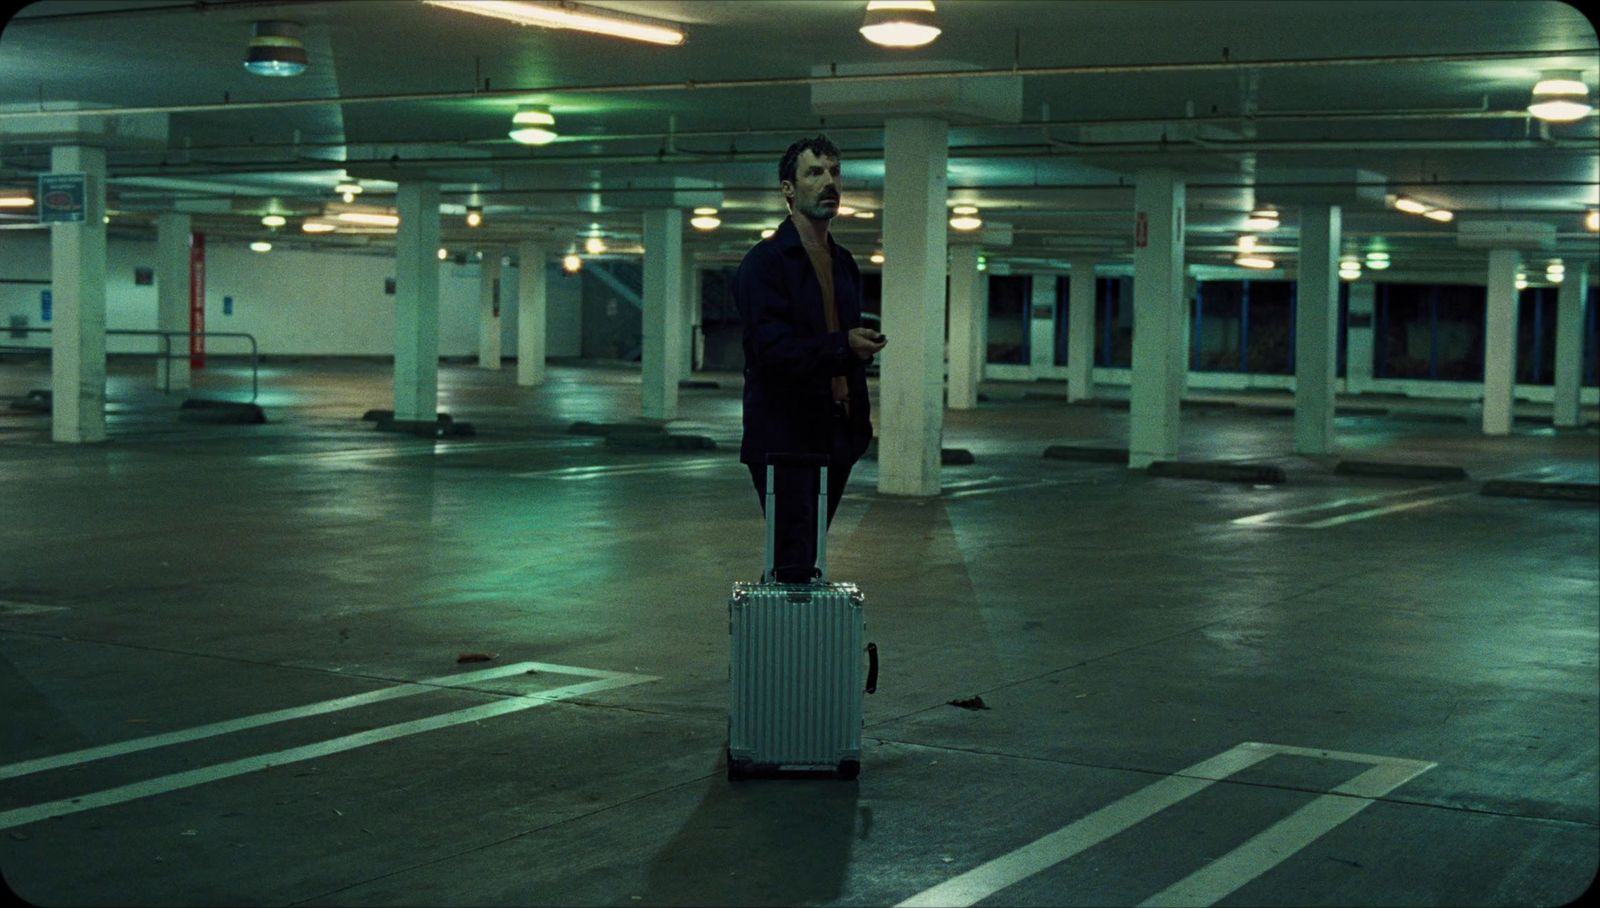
[796,530]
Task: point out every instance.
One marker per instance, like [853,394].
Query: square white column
[1042,326]
[172,299]
[1358,336]
[1080,330]
[416,302]
[531,328]
[1316,365]
[1159,313]
[966,364]
[78,288]
[911,387]
[663,326]
[1569,344]
[1500,341]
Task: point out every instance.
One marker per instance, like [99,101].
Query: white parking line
[1219,878]
[408,689]
[622,469]
[23,815]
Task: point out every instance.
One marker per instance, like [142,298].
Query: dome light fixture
[900,23]
[1258,262]
[1377,260]
[1262,219]
[349,189]
[274,220]
[443,253]
[261,246]
[1349,268]
[572,263]
[474,215]
[275,49]
[876,258]
[594,245]
[533,126]
[1592,220]
[1555,271]
[1409,205]
[1442,215]
[1560,96]
[767,234]
[966,218]
[705,219]
[310,226]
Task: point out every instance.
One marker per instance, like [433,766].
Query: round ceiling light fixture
[1560,96]
[1263,219]
[275,49]
[572,263]
[474,215]
[900,23]
[594,245]
[705,219]
[1258,262]
[261,246]
[534,126]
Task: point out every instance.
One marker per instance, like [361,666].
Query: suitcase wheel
[849,769]
[735,767]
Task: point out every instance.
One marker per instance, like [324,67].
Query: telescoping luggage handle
[769,570]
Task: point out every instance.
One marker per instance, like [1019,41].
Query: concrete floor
[1122,629]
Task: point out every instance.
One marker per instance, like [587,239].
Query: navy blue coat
[790,357]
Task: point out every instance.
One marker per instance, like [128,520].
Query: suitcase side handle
[872,668]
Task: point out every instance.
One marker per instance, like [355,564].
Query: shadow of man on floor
[760,842]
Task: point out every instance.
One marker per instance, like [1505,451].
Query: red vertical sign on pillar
[197,301]
[1141,230]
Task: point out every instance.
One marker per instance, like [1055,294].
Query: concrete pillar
[78,288]
[966,358]
[1191,286]
[1569,343]
[172,298]
[1080,330]
[1042,326]
[531,332]
[1316,363]
[1158,318]
[911,398]
[1358,336]
[416,303]
[489,310]
[663,307]
[1500,341]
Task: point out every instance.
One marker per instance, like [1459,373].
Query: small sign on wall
[61,197]
[1360,320]
[44,305]
[227,305]
[1044,312]
[388,286]
[144,277]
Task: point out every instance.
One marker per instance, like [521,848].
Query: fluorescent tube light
[1442,215]
[966,222]
[16,200]
[1262,219]
[366,217]
[318,227]
[569,16]
[1410,206]
[1258,262]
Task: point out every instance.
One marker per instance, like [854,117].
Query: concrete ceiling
[1255,102]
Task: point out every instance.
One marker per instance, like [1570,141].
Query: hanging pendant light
[275,49]
[900,23]
[1560,96]
[533,126]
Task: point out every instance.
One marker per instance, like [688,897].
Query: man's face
[815,190]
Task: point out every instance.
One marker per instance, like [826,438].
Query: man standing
[805,354]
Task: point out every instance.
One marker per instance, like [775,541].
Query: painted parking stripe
[1278,842]
[622,469]
[1220,877]
[163,784]
[408,689]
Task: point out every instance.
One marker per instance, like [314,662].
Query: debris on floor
[970,703]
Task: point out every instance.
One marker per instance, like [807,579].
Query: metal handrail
[166,349]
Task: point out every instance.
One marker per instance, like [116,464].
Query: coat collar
[788,240]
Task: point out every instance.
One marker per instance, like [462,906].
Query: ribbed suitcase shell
[796,677]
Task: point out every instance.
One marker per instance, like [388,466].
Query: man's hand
[864,342]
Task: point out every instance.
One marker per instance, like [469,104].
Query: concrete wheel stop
[949,457]
[37,401]
[1557,491]
[1399,470]
[1091,455]
[698,383]
[607,429]
[200,409]
[1220,472]
[444,426]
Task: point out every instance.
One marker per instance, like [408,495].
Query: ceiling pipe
[791,81]
[373,165]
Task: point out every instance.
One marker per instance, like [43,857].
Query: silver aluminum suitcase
[795,670]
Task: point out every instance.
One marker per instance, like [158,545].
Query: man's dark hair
[819,146]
